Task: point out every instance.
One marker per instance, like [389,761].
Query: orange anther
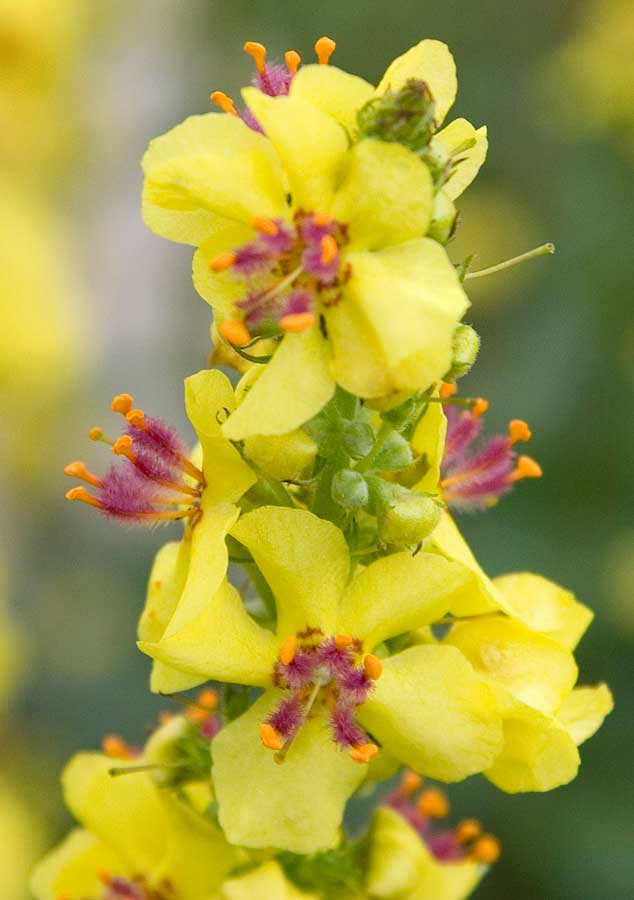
[288,650]
[447,389]
[115,747]
[292,60]
[297,321]
[433,803]
[123,447]
[136,417]
[165,717]
[329,249]
[269,737]
[468,830]
[104,876]
[96,434]
[265,225]
[487,849]
[78,470]
[322,219]
[324,48]
[343,641]
[373,666]
[208,699]
[122,403]
[410,782]
[257,52]
[224,102]
[526,467]
[519,431]
[479,407]
[235,333]
[363,753]
[80,493]
[222,262]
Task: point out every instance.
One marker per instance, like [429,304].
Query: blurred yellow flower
[21,843]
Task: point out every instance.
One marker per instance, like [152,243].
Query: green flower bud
[403,415]
[408,519]
[403,117]
[358,439]
[466,343]
[395,454]
[443,218]
[179,753]
[349,489]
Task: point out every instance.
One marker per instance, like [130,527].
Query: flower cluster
[364,637]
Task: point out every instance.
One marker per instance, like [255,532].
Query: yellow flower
[21,842]
[314,232]
[133,834]
[267,882]
[323,680]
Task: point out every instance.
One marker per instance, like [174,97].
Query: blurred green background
[95,305]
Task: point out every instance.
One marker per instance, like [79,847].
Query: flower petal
[471,160]
[125,813]
[447,540]
[431,711]
[583,711]
[220,289]
[309,143]
[181,225]
[428,440]
[216,163]
[538,753]
[305,561]
[292,388]
[267,881]
[71,869]
[399,593]
[222,642]
[335,92]
[530,666]
[386,196]
[400,865]
[382,345]
[429,61]
[296,806]
[544,606]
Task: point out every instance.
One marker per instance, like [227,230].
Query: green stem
[544,250]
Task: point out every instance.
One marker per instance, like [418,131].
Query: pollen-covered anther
[363,753]
[486,849]
[468,830]
[329,249]
[78,470]
[81,494]
[292,60]
[223,261]
[373,666]
[204,705]
[296,322]
[115,747]
[447,389]
[526,468]
[257,52]
[224,102]
[136,417]
[270,738]
[519,431]
[479,407]
[322,219]
[122,403]
[105,877]
[324,48]
[288,650]
[433,803]
[96,434]
[265,225]
[123,447]
[343,641]
[410,783]
[235,333]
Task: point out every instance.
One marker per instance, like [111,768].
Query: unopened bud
[466,344]
[408,519]
[396,453]
[443,218]
[404,117]
[358,439]
[349,489]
